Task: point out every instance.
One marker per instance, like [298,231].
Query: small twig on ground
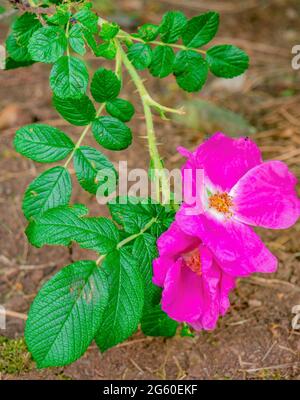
[13,314]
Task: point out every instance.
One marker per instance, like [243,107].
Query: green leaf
[88,19]
[173,24]
[107,50]
[140,54]
[201,29]
[148,32]
[42,143]
[162,61]
[109,30]
[87,164]
[157,323]
[76,39]
[190,70]
[24,26]
[78,112]
[111,133]
[90,40]
[69,77]
[12,64]
[105,85]
[51,189]
[16,51]
[47,44]
[125,303]
[66,314]
[61,17]
[133,213]
[227,61]
[64,224]
[121,109]
[144,251]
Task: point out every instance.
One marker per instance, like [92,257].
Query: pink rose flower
[239,190]
[195,288]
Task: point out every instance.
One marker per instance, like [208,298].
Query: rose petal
[182,297]
[174,242]
[237,248]
[225,160]
[265,196]
[161,266]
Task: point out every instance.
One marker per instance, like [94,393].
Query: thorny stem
[147,103]
[125,35]
[129,239]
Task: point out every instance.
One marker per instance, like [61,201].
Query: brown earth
[255,339]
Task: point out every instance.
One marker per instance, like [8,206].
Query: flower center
[193,261]
[221,202]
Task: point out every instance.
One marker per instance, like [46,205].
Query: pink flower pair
[201,255]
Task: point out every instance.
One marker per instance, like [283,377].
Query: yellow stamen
[193,261]
[221,202]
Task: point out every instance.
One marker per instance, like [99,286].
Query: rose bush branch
[108,299]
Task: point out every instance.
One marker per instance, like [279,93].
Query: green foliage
[77,111]
[42,143]
[109,30]
[66,224]
[227,61]
[105,85]
[125,302]
[201,30]
[47,44]
[69,77]
[76,39]
[24,27]
[190,70]
[162,61]
[88,162]
[111,133]
[148,32]
[140,55]
[121,109]
[172,26]
[79,292]
[16,51]
[50,189]
[108,299]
